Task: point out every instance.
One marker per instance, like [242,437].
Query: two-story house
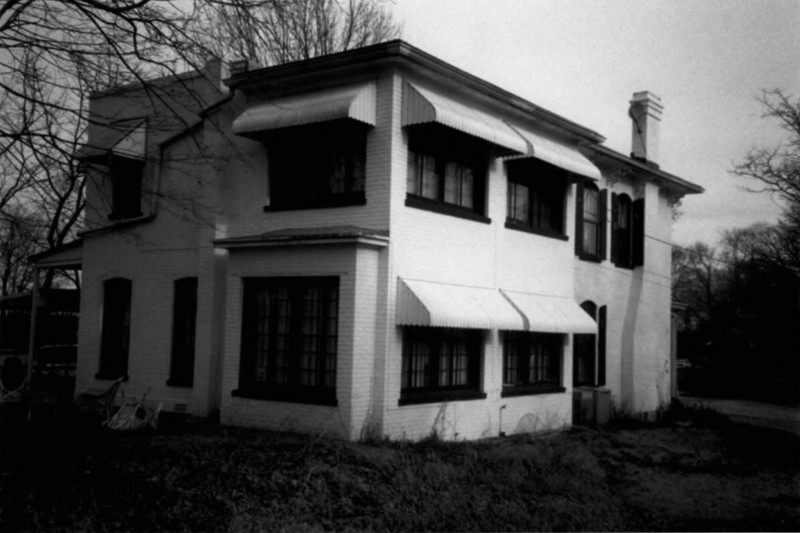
[372,243]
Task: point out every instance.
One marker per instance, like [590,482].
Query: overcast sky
[583,59]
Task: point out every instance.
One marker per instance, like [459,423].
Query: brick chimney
[645,113]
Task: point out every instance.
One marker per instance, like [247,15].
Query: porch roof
[308,236]
[69,255]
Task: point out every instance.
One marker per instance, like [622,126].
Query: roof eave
[401,54]
[671,181]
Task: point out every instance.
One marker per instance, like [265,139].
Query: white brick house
[372,243]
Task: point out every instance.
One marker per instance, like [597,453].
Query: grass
[700,475]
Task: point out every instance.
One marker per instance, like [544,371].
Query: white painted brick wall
[424,245]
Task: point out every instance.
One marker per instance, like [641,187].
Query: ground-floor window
[532,362]
[184,322]
[115,337]
[289,339]
[589,353]
[440,364]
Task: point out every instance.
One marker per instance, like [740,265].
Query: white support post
[32,330]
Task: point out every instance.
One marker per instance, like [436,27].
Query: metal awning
[560,155]
[130,142]
[425,303]
[551,314]
[353,102]
[423,106]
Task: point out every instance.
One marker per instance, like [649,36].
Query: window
[621,230]
[289,339]
[184,313]
[126,187]
[115,336]
[317,166]
[638,233]
[532,363]
[536,193]
[440,364]
[590,222]
[446,172]
[589,352]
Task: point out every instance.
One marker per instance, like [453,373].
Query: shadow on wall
[628,342]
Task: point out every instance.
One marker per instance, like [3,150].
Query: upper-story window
[446,172]
[536,196]
[627,231]
[317,166]
[126,187]
[590,222]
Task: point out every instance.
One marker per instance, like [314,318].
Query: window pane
[591,204]
[337,181]
[419,364]
[430,180]
[589,237]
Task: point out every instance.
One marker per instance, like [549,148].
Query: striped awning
[551,314]
[558,154]
[355,102]
[425,303]
[423,106]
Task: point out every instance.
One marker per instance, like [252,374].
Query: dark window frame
[627,233]
[440,344]
[305,163]
[446,148]
[127,178]
[582,223]
[547,350]
[116,329]
[589,350]
[545,198]
[281,361]
[184,331]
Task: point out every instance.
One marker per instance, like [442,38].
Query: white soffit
[422,106]
[557,154]
[133,144]
[353,102]
[551,314]
[425,303]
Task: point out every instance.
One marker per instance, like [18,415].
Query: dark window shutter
[614,228]
[602,226]
[601,346]
[638,232]
[578,218]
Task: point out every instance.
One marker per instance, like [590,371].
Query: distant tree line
[741,321]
